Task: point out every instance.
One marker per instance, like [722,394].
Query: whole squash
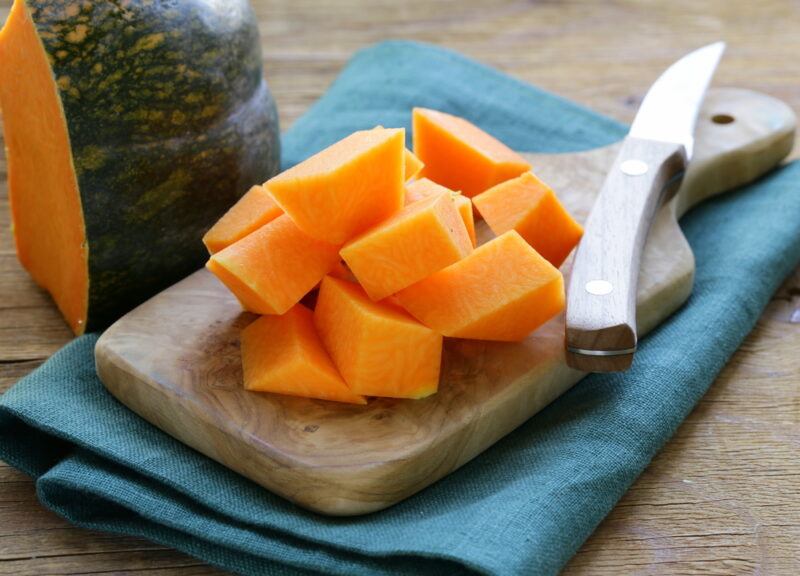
[130,127]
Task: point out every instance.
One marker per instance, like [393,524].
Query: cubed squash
[271,269]
[413,165]
[529,206]
[461,156]
[423,187]
[346,188]
[393,301]
[283,354]
[252,211]
[378,348]
[464,206]
[424,237]
[342,272]
[502,291]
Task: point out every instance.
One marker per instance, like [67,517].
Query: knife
[601,298]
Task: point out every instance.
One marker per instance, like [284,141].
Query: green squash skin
[170,121]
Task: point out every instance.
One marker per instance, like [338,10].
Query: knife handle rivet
[599,287]
[633,167]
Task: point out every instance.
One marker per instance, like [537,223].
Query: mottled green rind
[170,121]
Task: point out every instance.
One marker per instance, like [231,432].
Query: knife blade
[669,110]
[601,297]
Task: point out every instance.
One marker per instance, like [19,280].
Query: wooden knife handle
[601,299]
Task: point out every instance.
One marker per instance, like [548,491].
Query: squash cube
[252,211]
[502,291]
[271,269]
[461,156]
[464,206]
[283,354]
[423,187]
[529,206]
[346,188]
[424,237]
[378,348]
[413,165]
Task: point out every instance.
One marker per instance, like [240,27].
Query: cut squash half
[47,218]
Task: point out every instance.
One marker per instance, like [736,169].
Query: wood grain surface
[722,496]
[175,360]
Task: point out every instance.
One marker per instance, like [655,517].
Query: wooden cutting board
[175,359]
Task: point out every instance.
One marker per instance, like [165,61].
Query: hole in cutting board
[722,119]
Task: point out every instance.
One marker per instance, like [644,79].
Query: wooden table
[723,497]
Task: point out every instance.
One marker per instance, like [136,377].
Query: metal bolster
[584,352]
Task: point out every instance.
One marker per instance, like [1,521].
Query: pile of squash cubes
[362,258]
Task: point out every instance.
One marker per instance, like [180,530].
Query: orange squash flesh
[378,348]
[529,206]
[423,187]
[271,269]
[252,211]
[35,129]
[346,188]
[502,291]
[464,206]
[393,301]
[461,156]
[413,165]
[342,272]
[424,237]
[283,354]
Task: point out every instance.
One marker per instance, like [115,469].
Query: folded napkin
[522,507]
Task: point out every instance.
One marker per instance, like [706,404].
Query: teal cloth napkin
[522,507]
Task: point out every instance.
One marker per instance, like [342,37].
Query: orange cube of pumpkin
[423,187]
[464,206]
[346,188]
[283,354]
[502,291]
[413,165]
[424,237]
[271,269]
[378,348]
[529,206]
[252,211]
[461,156]
[342,272]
